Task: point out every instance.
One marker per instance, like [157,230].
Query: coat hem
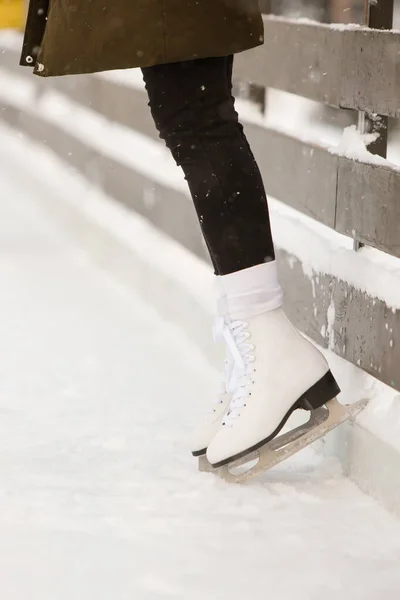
[48,72]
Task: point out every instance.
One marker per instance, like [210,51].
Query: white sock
[250,292]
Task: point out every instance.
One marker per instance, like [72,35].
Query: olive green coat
[65,37]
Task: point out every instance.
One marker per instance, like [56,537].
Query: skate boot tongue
[230,331]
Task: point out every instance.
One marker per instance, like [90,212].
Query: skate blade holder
[321,421]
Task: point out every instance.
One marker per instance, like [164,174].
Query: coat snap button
[29,59]
[40,67]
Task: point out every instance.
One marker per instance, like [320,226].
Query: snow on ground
[99,496]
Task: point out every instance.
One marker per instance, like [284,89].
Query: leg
[272,367]
[193,108]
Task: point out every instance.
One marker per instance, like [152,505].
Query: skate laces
[236,337]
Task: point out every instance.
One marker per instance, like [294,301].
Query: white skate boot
[276,366]
[276,371]
[279,371]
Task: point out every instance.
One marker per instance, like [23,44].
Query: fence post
[257,92]
[377,15]
[252,91]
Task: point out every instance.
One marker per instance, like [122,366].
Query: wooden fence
[347,68]
[357,69]
[344,67]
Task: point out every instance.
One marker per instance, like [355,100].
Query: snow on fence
[346,300]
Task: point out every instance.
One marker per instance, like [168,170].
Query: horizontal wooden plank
[344,67]
[301,174]
[295,58]
[368,204]
[364,331]
[357,199]
[371,78]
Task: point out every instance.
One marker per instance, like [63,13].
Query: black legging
[193,109]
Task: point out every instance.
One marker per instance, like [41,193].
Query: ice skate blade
[204,465]
[322,420]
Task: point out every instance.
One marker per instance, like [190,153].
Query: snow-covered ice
[99,496]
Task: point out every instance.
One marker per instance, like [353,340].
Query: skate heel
[320,393]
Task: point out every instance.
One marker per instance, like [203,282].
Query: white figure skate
[277,371]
